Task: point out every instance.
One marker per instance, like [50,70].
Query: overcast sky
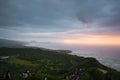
[55,20]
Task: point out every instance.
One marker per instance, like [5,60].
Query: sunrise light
[94,40]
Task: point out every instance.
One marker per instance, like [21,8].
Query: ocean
[109,56]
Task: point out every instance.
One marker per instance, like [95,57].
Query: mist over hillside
[11,43]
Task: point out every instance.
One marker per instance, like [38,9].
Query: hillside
[56,65]
[11,43]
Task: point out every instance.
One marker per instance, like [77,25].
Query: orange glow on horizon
[94,40]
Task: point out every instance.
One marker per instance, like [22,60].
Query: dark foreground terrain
[56,65]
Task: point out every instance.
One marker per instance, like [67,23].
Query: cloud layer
[20,18]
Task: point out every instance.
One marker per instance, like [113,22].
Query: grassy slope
[56,65]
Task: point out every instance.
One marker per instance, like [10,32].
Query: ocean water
[107,55]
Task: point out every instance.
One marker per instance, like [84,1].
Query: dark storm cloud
[102,12]
[37,13]
[50,12]
[26,16]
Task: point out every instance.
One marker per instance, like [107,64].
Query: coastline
[107,63]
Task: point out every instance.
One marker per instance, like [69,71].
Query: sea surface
[109,56]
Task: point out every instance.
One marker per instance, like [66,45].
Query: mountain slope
[56,65]
[11,43]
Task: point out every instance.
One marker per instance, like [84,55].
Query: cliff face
[56,65]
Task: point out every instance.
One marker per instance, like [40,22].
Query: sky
[71,22]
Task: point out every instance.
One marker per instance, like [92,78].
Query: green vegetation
[18,62]
[56,65]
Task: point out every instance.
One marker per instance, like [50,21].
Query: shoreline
[102,61]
